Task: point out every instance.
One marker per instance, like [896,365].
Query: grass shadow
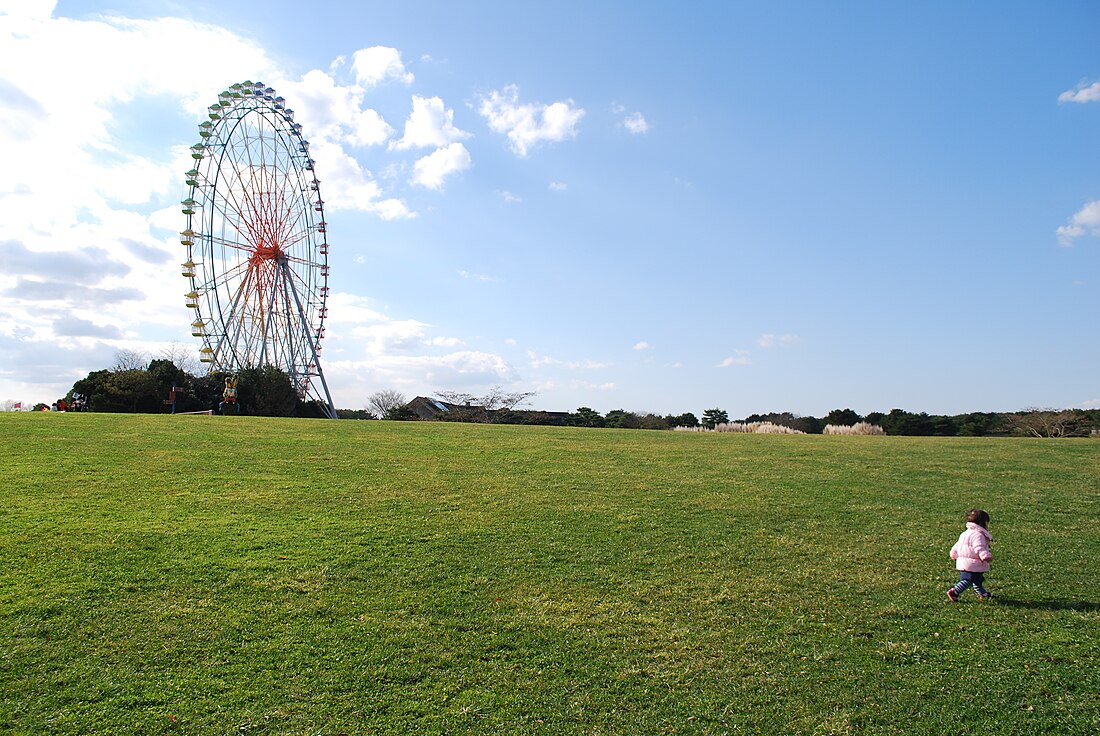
[1047,605]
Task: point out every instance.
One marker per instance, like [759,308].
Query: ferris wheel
[257,250]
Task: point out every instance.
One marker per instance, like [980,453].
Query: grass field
[229,575]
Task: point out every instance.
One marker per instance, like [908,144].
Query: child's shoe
[952,596]
[985,596]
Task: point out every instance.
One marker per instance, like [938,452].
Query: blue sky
[790,206]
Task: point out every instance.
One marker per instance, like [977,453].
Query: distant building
[427,409]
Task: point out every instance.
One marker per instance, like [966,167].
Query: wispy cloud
[1084,92]
[475,276]
[558,186]
[636,123]
[770,341]
[529,124]
[643,345]
[538,361]
[1085,222]
[740,357]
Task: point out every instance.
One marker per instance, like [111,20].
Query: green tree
[686,419]
[901,422]
[587,417]
[651,421]
[713,417]
[401,414]
[843,417]
[266,392]
[875,418]
[621,419]
[132,391]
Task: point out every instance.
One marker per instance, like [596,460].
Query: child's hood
[979,528]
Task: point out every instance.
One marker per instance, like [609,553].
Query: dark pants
[966,579]
[972,578]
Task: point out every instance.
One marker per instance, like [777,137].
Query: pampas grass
[745,427]
[756,428]
[863,428]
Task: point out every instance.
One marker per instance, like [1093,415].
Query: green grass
[230,575]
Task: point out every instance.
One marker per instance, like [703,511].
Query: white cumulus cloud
[433,169]
[430,124]
[636,123]
[335,112]
[1083,93]
[1085,222]
[529,124]
[377,64]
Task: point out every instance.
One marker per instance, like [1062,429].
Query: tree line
[499,408]
[161,386]
[138,385]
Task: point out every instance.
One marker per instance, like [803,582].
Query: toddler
[971,555]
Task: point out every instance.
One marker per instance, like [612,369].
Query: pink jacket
[971,552]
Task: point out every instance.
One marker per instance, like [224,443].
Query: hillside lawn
[232,575]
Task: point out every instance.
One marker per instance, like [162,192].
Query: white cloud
[335,112]
[89,262]
[643,345]
[431,170]
[635,123]
[538,361]
[1085,222]
[528,125]
[740,357]
[32,9]
[75,189]
[587,385]
[367,350]
[377,64]
[430,124]
[1083,93]
[771,341]
[558,186]
[347,185]
[509,197]
[476,277]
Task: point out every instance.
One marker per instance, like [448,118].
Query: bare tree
[1047,422]
[381,403]
[129,360]
[482,408]
[498,398]
[183,357]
